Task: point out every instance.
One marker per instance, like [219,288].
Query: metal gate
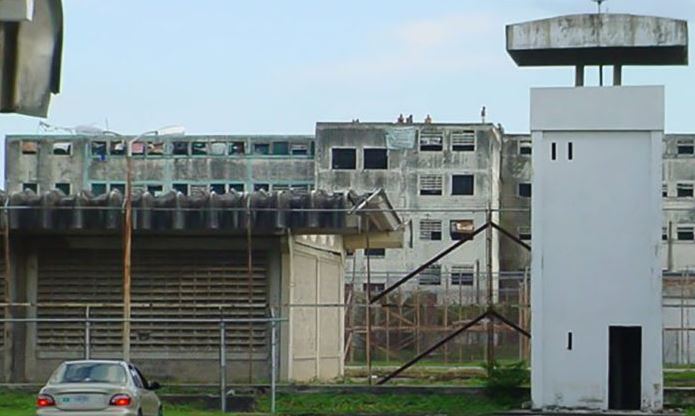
[183,284]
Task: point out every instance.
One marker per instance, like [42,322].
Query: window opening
[30,147]
[376,159]
[217,188]
[155,190]
[180,187]
[375,252]
[460,229]
[430,143]
[261,186]
[239,187]
[120,187]
[463,141]
[62,148]
[431,276]
[525,190]
[524,233]
[218,148]
[64,187]
[281,148]
[261,148]
[30,187]
[685,232]
[569,151]
[199,148]
[98,188]
[343,158]
[117,147]
[462,275]
[137,149]
[684,190]
[553,151]
[155,149]
[525,147]
[430,230]
[299,149]
[98,148]
[430,184]
[686,147]
[180,148]
[462,185]
[237,148]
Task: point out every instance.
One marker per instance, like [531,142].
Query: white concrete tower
[596,212]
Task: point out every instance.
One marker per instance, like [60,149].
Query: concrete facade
[422,163]
[594,180]
[79,163]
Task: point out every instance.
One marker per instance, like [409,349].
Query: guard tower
[596,212]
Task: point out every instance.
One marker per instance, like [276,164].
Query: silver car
[98,388]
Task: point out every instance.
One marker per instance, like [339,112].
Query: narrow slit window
[569,341]
[553,151]
[569,151]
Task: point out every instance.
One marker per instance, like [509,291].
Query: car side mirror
[155,386]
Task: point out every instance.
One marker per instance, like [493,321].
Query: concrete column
[32,288]
[579,76]
[618,75]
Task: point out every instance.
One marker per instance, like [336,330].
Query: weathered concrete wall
[401,181]
[82,168]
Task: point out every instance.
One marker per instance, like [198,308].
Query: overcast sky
[228,66]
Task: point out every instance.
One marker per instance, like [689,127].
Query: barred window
[430,184]
[525,147]
[463,141]
[686,147]
[686,232]
[462,275]
[524,233]
[432,276]
[431,143]
[430,230]
[684,190]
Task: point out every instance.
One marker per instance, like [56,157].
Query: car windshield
[91,373]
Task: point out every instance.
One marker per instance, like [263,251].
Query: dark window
[375,252]
[239,187]
[525,147]
[180,187]
[463,142]
[343,158]
[99,149]
[376,159]
[462,275]
[281,148]
[62,148]
[570,149]
[217,188]
[431,143]
[261,148]
[664,233]
[462,185]
[431,276]
[430,184]
[685,233]
[155,189]
[553,151]
[430,230]
[180,148]
[98,188]
[30,187]
[525,190]
[686,147]
[299,149]
[261,186]
[460,229]
[664,190]
[685,190]
[120,187]
[524,233]
[117,148]
[199,148]
[64,187]
[30,147]
[237,148]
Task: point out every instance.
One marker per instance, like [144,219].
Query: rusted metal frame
[432,348]
[429,263]
[511,236]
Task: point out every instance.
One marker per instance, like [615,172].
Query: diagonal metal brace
[429,262]
[433,347]
[511,236]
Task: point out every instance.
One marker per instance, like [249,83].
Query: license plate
[75,399]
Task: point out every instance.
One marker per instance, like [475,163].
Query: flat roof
[599,39]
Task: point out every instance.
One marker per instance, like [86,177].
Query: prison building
[443,176]
[204,256]
[187,164]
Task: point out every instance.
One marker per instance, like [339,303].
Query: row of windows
[431,230]
[461,141]
[346,158]
[99,188]
[683,233]
[103,148]
[460,185]
[461,275]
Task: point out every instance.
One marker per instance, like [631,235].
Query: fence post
[273,358]
[223,367]
[87,334]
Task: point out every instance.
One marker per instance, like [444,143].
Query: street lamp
[128,224]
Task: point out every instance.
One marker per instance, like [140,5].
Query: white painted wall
[596,226]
